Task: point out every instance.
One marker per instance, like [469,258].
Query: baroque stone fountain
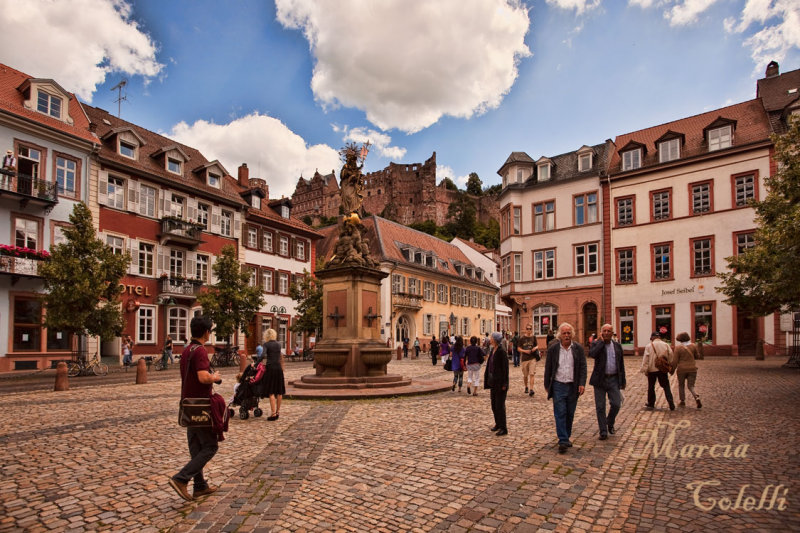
[351,354]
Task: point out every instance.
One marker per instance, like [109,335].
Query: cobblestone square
[98,457]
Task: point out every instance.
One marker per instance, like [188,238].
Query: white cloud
[93,38]
[686,13]
[379,141]
[578,5]
[445,171]
[407,64]
[774,41]
[271,150]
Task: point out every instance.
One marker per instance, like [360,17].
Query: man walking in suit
[564,381]
[608,378]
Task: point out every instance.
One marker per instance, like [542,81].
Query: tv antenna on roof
[118,87]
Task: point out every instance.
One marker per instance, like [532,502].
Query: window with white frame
[174,165]
[301,251]
[442,293]
[266,241]
[517,267]
[176,258]
[177,208]
[624,211]
[145,258]
[545,318]
[49,104]
[745,189]
[117,244]
[116,192]
[31,157]
[584,162]
[745,241]
[58,235]
[507,269]
[669,150]
[701,198]
[544,172]
[455,295]
[255,201]
[475,299]
[719,138]
[252,237]
[464,297]
[201,267]
[625,266]
[147,201]
[632,159]
[284,245]
[662,259]
[226,223]
[517,220]
[177,322]
[66,173]
[253,281]
[214,180]
[283,283]
[544,217]
[202,215]
[586,259]
[429,290]
[544,264]
[660,205]
[146,322]
[702,263]
[266,281]
[585,209]
[465,326]
[427,325]
[413,286]
[26,233]
[127,149]
[285,211]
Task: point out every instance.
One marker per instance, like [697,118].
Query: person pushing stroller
[247,391]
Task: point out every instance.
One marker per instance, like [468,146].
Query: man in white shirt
[564,381]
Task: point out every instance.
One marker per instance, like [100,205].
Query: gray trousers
[687,378]
[609,387]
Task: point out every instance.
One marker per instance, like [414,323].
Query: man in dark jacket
[608,378]
[434,349]
[564,381]
[496,380]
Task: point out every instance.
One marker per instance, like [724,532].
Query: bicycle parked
[228,356]
[79,366]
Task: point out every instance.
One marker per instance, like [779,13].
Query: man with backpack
[656,366]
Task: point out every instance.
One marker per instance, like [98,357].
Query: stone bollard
[62,381]
[141,372]
[243,362]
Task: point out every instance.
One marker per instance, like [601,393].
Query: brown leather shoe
[180,488]
[211,489]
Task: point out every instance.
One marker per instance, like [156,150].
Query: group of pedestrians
[660,361]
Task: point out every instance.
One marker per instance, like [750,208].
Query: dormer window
[544,172]
[632,159]
[255,201]
[285,211]
[214,180]
[719,138]
[174,165]
[584,162]
[418,258]
[127,149]
[49,104]
[669,150]
[406,253]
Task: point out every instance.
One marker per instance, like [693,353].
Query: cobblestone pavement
[97,458]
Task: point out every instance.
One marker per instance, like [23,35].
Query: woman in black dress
[273,385]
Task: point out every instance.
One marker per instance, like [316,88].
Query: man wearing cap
[564,381]
[652,351]
[9,165]
[608,378]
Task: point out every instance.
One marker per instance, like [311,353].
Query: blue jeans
[516,356]
[610,387]
[202,447]
[565,401]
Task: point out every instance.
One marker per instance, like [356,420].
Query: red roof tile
[752,125]
[11,101]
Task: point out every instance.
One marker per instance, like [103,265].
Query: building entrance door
[402,330]
[746,333]
[589,320]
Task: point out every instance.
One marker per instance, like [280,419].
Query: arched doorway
[589,321]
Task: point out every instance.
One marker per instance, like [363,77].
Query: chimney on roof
[244,175]
[773,70]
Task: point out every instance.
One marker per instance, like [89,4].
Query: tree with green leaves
[461,213]
[449,184]
[231,303]
[766,277]
[308,295]
[493,190]
[488,235]
[81,282]
[474,184]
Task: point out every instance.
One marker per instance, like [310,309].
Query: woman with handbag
[685,354]
[473,357]
[273,385]
[496,380]
[457,365]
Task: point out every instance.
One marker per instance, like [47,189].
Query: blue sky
[283,84]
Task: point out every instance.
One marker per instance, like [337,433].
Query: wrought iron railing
[180,287]
[19,266]
[27,185]
[181,228]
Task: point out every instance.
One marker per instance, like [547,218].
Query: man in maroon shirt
[196,381]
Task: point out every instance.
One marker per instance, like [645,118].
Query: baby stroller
[247,394]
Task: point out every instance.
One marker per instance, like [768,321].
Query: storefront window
[545,318]
[27,325]
[703,323]
[663,316]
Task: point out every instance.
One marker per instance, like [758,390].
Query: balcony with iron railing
[407,300]
[17,267]
[182,232]
[28,190]
[180,287]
